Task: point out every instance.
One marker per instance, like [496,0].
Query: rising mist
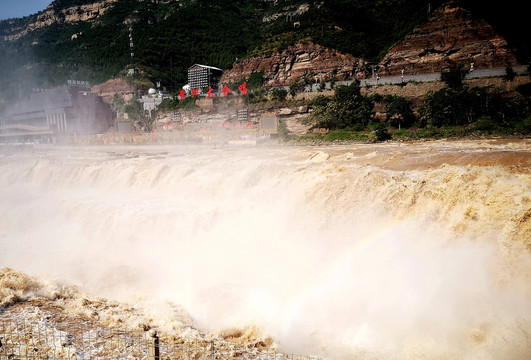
[328,251]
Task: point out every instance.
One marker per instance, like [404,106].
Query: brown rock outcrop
[119,86]
[450,36]
[303,59]
[50,16]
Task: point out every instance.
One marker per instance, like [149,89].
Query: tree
[279,94]
[283,131]
[347,108]
[464,106]
[381,132]
[510,74]
[296,87]
[118,101]
[256,80]
[135,112]
[444,107]
[453,76]
[399,112]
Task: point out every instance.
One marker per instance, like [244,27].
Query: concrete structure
[124,126]
[268,123]
[56,112]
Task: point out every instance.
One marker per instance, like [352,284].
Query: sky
[21,8]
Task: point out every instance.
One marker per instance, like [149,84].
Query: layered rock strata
[313,61]
[451,36]
[88,12]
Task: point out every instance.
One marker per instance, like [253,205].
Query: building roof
[204,66]
[42,101]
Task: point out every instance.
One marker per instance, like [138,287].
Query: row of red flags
[226,91]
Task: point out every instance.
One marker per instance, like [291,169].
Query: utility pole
[131,44]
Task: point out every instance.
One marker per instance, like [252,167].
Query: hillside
[452,35]
[303,60]
[89,40]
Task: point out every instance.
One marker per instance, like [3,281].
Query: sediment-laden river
[386,251]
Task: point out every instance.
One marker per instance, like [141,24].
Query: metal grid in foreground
[43,340]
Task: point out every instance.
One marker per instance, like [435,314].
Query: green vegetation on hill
[456,110]
[170,36]
[346,109]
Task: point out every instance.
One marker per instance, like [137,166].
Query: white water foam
[327,257]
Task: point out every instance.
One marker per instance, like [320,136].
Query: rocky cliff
[451,36]
[111,87]
[88,12]
[304,59]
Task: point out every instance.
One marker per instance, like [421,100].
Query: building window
[201,76]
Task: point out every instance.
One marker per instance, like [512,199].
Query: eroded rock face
[108,89]
[305,59]
[451,36]
[88,12]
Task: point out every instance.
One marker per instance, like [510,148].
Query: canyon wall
[283,68]
[88,12]
[451,36]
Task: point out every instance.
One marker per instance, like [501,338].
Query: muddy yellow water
[373,251]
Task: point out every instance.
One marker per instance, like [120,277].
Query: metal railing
[44,340]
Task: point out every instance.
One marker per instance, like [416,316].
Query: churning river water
[391,251]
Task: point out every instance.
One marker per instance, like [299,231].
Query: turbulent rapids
[392,251]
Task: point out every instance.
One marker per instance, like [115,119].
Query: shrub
[399,112]
[256,96]
[319,100]
[523,126]
[427,133]
[403,133]
[282,130]
[296,87]
[510,74]
[344,135]
[256,80]
[381,132]
[279,94]
[453,131]
[346,109]
[485,123]
[463,106]
[453,76]
[358,127]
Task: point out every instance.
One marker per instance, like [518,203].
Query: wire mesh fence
[40,340]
